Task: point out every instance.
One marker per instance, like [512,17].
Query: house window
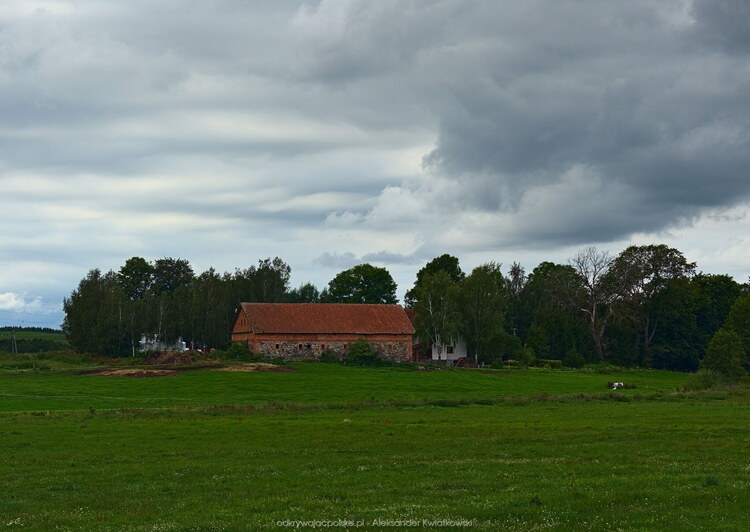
[449,349]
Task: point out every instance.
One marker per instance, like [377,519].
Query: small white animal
[616,385]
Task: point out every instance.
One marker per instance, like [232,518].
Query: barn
[302,331]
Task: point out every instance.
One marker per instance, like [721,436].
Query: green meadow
[354,448]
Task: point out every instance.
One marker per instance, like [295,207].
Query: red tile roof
[328,318]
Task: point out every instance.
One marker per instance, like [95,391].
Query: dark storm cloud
[620,88]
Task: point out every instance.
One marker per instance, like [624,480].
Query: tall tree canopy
[444,263]
[436,316]
[483,298]
[364,283]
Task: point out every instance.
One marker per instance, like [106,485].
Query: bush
[547,363]
[329,357]
[705,379]
[526,357]
[237,351]
[362,353]
[573,359]
[725,354]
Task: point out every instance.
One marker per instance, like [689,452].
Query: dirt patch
[134,373]
[257,366]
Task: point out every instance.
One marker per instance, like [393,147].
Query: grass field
[518,450]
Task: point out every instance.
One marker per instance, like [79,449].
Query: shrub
[363,353]
[704,379]
[526,357]
[573,359]
[329,357]
[725,354]
[237,351]
[547,363]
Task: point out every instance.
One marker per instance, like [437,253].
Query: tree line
[647,306]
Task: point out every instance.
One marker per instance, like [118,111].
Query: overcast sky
[337,132]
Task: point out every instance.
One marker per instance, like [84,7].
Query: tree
[738,321]
[272,280]
[445,263]
[94,318]
[551,298]
[599,293]
[716,295]
[305,293]
[724,354]
[169,274]
[435,314]
[639,273]
[362,284]
[516,282]
[135,277]
[482,304]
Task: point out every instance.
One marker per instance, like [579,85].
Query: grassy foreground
[323,450]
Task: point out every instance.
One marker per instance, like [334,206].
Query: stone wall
[311,350]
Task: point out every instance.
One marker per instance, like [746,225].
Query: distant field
[33,342]
[26,335]
[311,383]
[323,444]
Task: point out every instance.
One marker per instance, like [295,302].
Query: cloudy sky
[336,132]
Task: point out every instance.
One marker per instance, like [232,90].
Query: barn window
[308,346]
[299,347]
[277,346]
[322,347]
[346,346]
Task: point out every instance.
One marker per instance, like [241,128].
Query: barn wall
[390,347]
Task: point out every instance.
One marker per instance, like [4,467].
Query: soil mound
[257,366]
[169,358]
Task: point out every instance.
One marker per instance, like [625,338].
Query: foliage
[135,277]
[364,283]
[444,263]
[237,351]
[526,356]
[597,295]
[537,340]
[329,357]
[362,353]
[305,293]
[725,354]
[705,379]
[108,313]
[640,274]
[573,359]
[436,317]
[482,301]
[738,321]
[549,363]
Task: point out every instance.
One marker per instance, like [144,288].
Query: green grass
[311,383]
[313,445]
[28,335]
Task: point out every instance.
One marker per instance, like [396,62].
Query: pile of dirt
[169,358]
[257,366]
[135,373]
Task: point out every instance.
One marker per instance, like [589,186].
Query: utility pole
[13,346]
